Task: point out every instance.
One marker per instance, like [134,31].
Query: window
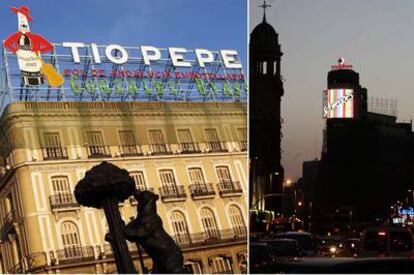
[220,264]
[95,144]
[167,178]
[237,221]
[186,141]
[264,67]
[128,145]
[209,223]
[223,174]
[139,180]
[179,225]
[158,145]
[194,266]
[213,140]
[242,133]
[196,176]
[61,190]
[52,147]
[70,240]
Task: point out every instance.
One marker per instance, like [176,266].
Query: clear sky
[212,24]
[376,36]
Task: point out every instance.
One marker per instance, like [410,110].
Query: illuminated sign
[76,71]
[338,103]
[406,211]
[28,47]
[341,65]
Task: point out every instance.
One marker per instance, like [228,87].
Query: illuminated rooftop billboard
[35,69]
[338,103]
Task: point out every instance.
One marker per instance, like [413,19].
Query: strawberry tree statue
[105,186]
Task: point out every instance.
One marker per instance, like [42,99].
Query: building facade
[193,154]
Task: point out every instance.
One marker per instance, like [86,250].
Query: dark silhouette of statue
[146,230]
[105,186]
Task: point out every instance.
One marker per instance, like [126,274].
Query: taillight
[382,233]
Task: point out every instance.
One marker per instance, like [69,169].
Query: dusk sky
[212,24]
[375,36]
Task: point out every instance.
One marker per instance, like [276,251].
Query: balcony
[98,151]
[173,193]
[36,261]
[189,148]
[243,145]
[75,254]
[215,146]
[54,153]
[202,191]
[160,149]
[229,188]
[63,200]
[212,236]
[130,150]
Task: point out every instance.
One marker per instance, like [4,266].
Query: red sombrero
[23,10]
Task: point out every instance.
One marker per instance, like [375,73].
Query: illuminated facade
[193,154]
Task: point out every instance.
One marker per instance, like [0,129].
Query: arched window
[237,221]
[70,240]
[180,228]
[209,224]
[220,265]
[61,191]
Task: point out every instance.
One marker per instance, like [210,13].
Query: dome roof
[264,34]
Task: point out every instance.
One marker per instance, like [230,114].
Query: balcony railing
[75,254]
[54,153]
[189,148]
[243,145]
[160,149]
[172,192]
[98,151]
[36,261]
[239,231]
[130,150]
[216,146]
[202,190]
[133,200]
[63,200]
[228,188]
[211,236]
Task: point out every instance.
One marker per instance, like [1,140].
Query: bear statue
[146,229]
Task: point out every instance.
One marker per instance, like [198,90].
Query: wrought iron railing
[189,148]
[216,146]
[172,192]
[54,153]
[229,188]
[201,190]
[130,150]
[36,261]
[63,200]
[7,223]
[75,254]
[210,236]
[98,151]
[243,145]
[160,149]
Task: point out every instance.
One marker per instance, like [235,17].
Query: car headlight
[332,249]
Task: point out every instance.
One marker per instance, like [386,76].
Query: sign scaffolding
[113,73]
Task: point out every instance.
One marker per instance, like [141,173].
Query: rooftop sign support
[92,72]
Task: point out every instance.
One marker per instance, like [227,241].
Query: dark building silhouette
[266,90]
[366,163]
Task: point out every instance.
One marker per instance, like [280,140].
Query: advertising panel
[338,103]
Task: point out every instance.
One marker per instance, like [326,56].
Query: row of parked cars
[387,246]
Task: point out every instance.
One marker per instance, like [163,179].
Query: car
[387,241]
[283,248]
[259,254]
[304,239]
[338,266]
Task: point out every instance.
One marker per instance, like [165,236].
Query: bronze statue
[146,230]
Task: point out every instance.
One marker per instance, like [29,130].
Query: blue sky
[212,24]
